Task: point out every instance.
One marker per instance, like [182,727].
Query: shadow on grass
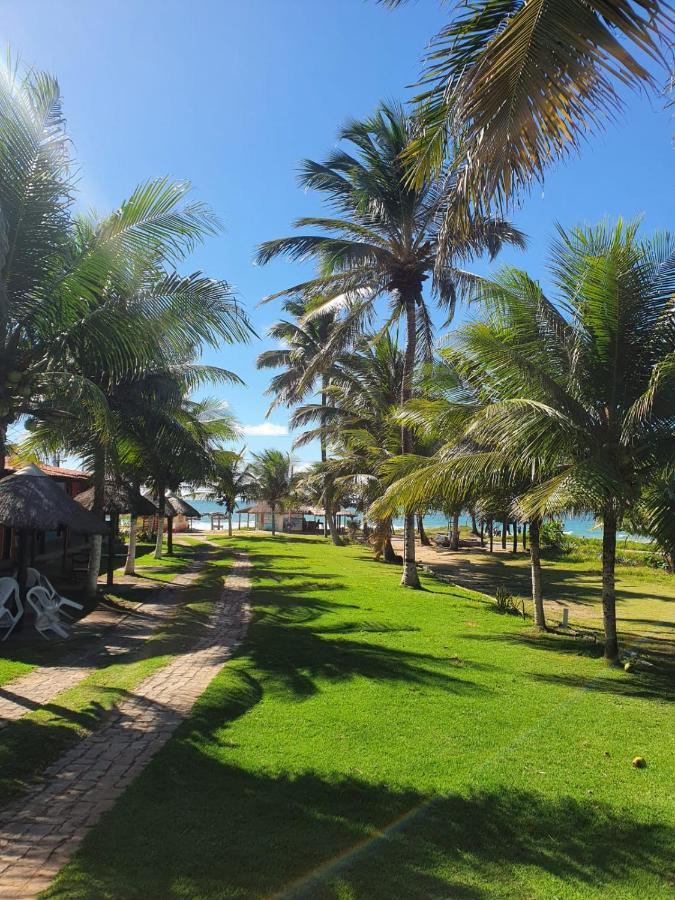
[194,826]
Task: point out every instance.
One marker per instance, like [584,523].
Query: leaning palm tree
[584,389]
[513,87]
[270,479]
[385,242]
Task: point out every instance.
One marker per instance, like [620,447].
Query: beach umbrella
[31,500]
[119,498]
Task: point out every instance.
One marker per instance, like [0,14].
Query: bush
[553,538]
[507,603]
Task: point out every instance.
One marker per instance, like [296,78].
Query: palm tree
[304,342]
[520,85]
[61,279]
[584,389]
[356,421]
[385,243]
[229,481]
[270,479]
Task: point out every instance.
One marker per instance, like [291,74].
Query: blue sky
[232,94]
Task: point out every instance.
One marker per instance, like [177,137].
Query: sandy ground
[642,608]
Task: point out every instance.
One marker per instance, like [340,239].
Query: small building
[45,544]
[293,520]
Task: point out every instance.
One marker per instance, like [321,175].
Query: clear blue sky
[231,94]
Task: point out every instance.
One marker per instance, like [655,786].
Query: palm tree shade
[270,479]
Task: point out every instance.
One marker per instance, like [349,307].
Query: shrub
[553,538]
[507,603]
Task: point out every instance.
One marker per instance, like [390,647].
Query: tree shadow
[237,833]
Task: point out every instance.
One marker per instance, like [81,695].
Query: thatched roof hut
[176,506]
[30,500]
[119,499]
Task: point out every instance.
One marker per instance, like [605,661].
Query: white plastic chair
[46,614]
[37,579]
[9,591]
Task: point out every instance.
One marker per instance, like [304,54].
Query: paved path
[39,833]
[119,633]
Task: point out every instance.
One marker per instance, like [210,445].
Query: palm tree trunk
[274,524]
[229,525]
[515,536]
[474,524]
[130,564]
[409,577]
[424,538]
[454,535]
[535,563]
[491,532]
[3,446]
[524,535]
[91,582]
[169,536]
[161,509]
[609,585]
[112,538]
[505,528]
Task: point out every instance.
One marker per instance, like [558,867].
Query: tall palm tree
[356,420]
[584,389]
[514,86]
[384,243]
[229,481]
[270,479]
[304,342]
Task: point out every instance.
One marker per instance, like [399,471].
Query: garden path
[40,832]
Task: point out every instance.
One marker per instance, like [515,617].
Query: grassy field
[645,595]
[373,742]
[31,743]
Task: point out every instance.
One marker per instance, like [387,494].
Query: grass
[30,744]
[374,742]
[645,595]
[166,568]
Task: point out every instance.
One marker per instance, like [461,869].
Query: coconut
[639,762]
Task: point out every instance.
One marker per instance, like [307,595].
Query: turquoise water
[580,526]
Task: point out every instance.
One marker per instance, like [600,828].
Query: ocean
[579,526]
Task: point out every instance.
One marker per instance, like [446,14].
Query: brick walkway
[119,633]
[39,834]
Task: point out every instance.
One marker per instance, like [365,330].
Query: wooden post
[110,569]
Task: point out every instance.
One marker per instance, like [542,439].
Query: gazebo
[119,498]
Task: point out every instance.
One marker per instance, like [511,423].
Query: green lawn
[31,743]
[373,742]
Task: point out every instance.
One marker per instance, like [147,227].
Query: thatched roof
[29,499]
[119,499]
[175,506]
[180,507]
